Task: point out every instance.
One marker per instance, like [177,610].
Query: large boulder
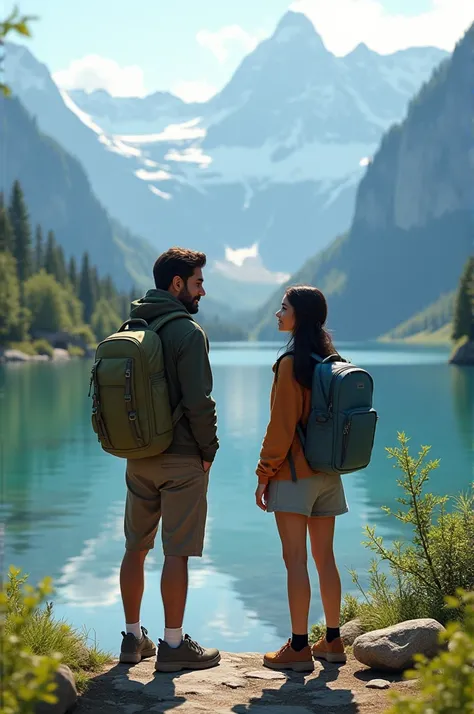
[351,631]
[392,649]
[65,692]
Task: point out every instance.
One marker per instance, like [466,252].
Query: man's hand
[206,465]
[261,496]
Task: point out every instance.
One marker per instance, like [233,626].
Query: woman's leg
[321,533]
[292,528]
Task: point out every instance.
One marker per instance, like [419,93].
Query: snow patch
[312,162]
[119,147]
[85,118]
[174,132]
[161,194]
[190,156]
[159,175]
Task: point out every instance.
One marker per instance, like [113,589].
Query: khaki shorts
[318,495]
[171,488]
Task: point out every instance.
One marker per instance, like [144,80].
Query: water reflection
[462,381]
[63,497]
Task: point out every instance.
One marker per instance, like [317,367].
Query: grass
[44,635]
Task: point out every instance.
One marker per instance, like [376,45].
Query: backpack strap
[156,325]
[319,387]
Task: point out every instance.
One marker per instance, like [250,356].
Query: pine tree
[54,262]
[22,233]
[38,260]
[464,306]
[87,288]
[72,274]
[6,230]
[50,254]
[96,284]
[61,270]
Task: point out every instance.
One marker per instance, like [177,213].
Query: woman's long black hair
[309,333]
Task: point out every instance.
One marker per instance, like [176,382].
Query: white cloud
[246,265]
[95,72]
[199,91]
[343,24]
[219,42]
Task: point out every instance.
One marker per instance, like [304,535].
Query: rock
[65,692]
[265,674]
[60,355]
[234,683]
[464,354]
[392,648]
[378,684]
[18,356]
[351,631]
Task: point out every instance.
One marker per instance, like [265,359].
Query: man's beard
[191,304]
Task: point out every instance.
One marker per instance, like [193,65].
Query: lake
[63,498]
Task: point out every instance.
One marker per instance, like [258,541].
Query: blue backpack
[339,436]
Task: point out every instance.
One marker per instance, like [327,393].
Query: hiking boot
[288,658]
[134,650]
[189,655]
[330,651]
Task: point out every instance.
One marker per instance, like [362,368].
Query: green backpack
[131,413]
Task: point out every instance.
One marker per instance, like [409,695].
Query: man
[172,487]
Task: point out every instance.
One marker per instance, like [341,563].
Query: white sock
[173,637]
[135,629]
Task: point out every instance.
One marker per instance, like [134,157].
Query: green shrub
[43,635]
[446,683]
[26,679]
[42,347]
[24,346]
[85,335]
[437,560]
[422,571]
[75,351]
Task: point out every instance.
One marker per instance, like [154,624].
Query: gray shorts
[318,495]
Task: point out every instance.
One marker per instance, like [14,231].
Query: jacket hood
[156,303]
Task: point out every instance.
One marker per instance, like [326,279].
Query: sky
[192,47]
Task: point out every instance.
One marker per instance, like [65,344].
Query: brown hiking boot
[330,651]
[288,658]
[134,650]
[189,655]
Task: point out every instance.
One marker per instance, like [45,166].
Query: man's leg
[184,506]
[174,589]
[142,516]
[132,583]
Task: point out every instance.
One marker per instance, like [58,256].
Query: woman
[312,502]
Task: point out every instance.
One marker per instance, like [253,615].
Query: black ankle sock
[332,633]
[299,642]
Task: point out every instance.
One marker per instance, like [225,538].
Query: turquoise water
[62,497]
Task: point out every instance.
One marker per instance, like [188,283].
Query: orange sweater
[290,403]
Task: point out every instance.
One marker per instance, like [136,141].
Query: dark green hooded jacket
[188,371]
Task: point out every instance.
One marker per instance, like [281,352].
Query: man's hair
[176,261]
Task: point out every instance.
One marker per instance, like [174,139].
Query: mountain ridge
[418,190]
[275,154]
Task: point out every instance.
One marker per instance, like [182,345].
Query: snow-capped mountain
[272,161]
